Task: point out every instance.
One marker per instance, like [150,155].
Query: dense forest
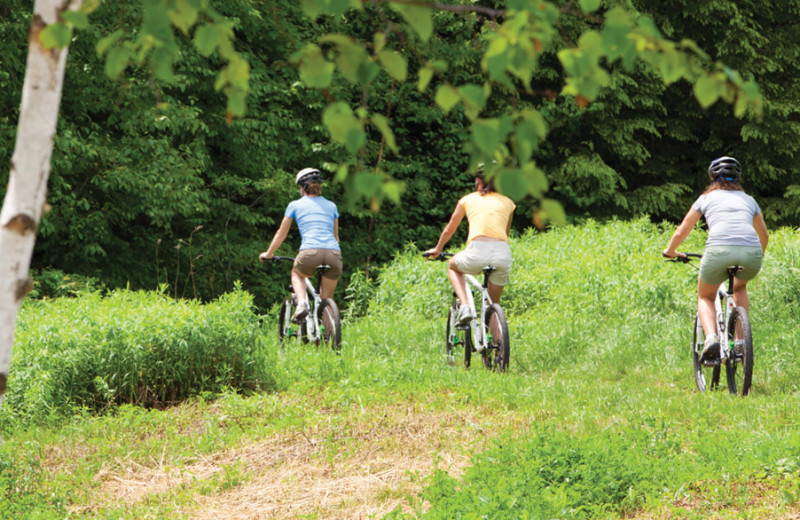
[152,185]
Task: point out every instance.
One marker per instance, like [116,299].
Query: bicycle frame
[312,321]
[313,331]
[479,334]
[724,305]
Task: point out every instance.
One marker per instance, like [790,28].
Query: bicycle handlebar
[683,259]
[278,259]
[440,257]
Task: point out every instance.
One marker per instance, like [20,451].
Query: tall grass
[131,347]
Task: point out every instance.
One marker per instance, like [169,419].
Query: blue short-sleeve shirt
[314,217]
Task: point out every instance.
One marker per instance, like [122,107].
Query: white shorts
[482,253]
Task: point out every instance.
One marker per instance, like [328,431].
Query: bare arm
[449,230]
[761,230]
[277,240]
[685,227]
[336,229]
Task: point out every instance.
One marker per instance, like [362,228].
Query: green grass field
[598,416]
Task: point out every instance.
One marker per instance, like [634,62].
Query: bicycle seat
[488,269]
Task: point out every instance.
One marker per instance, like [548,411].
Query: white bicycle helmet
[312,174]
[726,168]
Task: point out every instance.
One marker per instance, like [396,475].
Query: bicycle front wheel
[498,351]
[703,367]
[740,341]
[330,325]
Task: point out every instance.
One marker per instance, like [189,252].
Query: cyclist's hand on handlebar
[263,257]
[673,254]
[432,254]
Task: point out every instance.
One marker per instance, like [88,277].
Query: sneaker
[711,346]
[465,315]
[300,313]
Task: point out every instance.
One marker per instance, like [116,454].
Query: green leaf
[315,8]
[315,70]
[79,19]
[206,38]
[447,97]
[590,6]
[183,16]
[344,127]
[383,125]
[489,134]
[554,212]
[105,43]
[425,77]
[513,183]
[117,61]
[56,34]
[161,62]
[707,90]
[474,99]
[394,63]
[496,58]
[392,190]
[418,17]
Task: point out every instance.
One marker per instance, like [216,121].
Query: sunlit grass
[600,329]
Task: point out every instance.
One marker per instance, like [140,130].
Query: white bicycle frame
[478,332]
[312,323]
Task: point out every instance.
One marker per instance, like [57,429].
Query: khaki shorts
[482,253]
[307,261]
[716,260]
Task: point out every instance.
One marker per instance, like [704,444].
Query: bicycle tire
[330,332]
[698,338]
[285,322]
[451,338]
[740,338]
[497,353]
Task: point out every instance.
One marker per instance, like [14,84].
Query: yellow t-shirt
[487,214]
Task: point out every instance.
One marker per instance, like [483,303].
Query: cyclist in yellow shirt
[489,215]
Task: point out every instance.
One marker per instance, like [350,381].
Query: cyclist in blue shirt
[737,235]
[318,221]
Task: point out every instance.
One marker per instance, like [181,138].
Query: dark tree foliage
[151,185]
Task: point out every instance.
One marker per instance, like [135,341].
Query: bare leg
[495,291]
[740,294]
[705,306]
[299,286]
[326,287]
[457,281]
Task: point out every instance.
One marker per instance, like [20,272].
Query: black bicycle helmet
[725,168]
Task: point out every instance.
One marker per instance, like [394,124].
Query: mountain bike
[486,333]
[322,323]
[735,340]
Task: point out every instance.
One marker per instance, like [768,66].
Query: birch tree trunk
[30,168]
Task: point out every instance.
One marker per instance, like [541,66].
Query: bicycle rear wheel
[498,351]
[452,338]
[703,367]
[330,324]
[740,339]
[285,326]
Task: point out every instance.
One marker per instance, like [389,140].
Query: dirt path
[362,465]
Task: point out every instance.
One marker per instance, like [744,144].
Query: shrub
[132,347]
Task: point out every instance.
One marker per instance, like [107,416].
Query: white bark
[30,169]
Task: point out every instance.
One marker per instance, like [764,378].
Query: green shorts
[716,260]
